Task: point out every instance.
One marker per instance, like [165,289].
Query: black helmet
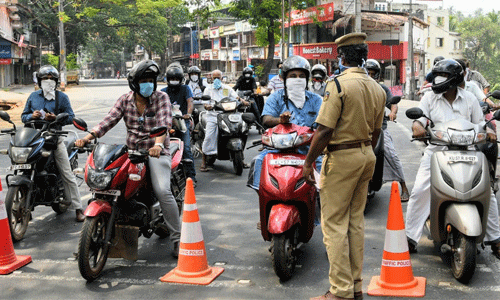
[144,69]
[437,59]
[47,70]
[372,64]
[175,72]
[296,62]
[194,69]
[247,70]
[455,75]
[319,69]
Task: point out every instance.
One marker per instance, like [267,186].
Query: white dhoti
[209,146]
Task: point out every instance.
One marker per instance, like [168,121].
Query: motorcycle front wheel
[238,162]
[93,249]
[463,260]
[283,253]
[18,212]
[59,206]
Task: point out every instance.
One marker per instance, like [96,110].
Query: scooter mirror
[496,94]
[496,115]
[80,124]
[4,116]
[414,113]
[205,97]
[485,107]
[62,117]
[395,100]
[248,118]
[158,131]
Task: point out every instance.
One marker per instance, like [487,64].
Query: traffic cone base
[192,266]
[20,261]
[396,276]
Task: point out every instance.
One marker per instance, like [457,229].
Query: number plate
[234,118]
[108,192]
[462,158]
[20,167]
[287,162]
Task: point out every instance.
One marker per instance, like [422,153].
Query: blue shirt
[306,116]
[179,96]
[36,101]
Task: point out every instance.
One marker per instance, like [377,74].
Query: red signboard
[5,61]
[317,51]
[321,13]
[329,51]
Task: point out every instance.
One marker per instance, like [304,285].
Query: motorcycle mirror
[395,100]
[205,97]
[496,94]
[496,115]
[158,131]
[248,118]
[80,124]
[414,113]
[4,116]
[61,117]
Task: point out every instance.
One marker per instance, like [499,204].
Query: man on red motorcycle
[142,109]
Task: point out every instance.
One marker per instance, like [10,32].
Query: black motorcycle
[36,179]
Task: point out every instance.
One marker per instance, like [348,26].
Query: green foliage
[71,62]
[50,59]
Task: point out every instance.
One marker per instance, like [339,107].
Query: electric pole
[357,8]
[410,51]
[62,48]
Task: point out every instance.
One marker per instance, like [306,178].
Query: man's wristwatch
[161,145]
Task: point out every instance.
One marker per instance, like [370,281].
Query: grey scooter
[460,190]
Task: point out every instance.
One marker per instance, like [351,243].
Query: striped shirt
[276,84]
[157,113]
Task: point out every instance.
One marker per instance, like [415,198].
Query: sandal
[203,169]
[405,197]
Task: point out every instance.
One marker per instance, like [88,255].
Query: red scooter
[123,205]
[287,202]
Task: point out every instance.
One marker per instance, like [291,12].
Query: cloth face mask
[49,89]
[194,78]
[296,91]
[146,89]
[217,83]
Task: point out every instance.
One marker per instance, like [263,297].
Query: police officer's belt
[337,147]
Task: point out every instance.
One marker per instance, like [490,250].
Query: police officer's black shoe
[412,246]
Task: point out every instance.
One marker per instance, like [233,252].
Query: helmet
[295,62]
[455,75]
[247,70]
[194,69]
[319,69]
[175,72]
[47,70]
[437,59]
[144,69]
[372,64]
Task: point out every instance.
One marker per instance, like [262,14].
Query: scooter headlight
[20,155]
[461,138]
[229,106]
[100,180]
[303,138]
[224,126]
[480,137]
[441,135]
[284,141]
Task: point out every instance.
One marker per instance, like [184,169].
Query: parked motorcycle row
[123,202]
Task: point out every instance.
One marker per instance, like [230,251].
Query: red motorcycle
[287,202]
[123,205]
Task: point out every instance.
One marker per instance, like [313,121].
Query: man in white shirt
[276,83]
[447,102]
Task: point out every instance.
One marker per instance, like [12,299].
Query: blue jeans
[186,138]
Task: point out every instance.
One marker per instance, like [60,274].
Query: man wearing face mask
[142,109]
[276,83]
[318,79]
[194,82]
[46,104]
[181,94]
[217,91]
[349,123]
[447,102]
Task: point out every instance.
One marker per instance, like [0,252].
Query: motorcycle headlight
[224,126]
[461,138]
[228,106]
[100,180]
[284,141]
[20,155]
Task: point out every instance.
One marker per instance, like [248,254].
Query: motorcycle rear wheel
[18,212]
[463,260]
[59,206]
[238,162]
[283,253]
[93,249]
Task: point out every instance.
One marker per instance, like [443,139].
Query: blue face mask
[217,83]
[342,68]
[146,89]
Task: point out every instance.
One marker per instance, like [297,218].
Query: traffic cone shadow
[192,266]
[9,261]
[396,276]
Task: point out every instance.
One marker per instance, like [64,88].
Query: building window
[440,21]
[428,42]
[439,42]
[457,45]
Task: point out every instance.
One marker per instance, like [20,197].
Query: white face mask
[247,75]
[296,91]
[194,78]
[174,82]
[49,89]
[317,85]
[439,79]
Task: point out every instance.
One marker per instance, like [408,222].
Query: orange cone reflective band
[396,275]
[192,266]
[9,261]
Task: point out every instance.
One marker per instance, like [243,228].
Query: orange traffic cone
[396,276]
[192,266]
[9,261]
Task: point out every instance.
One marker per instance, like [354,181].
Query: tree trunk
[270,53]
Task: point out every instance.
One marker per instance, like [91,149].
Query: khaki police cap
[354,38]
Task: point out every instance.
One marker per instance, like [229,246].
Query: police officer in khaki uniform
[349,121]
